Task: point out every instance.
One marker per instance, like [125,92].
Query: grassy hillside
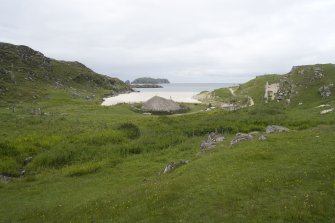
[27,75]
[103,164]
[301,86]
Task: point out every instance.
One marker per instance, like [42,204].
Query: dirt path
[232,91]
[252,103]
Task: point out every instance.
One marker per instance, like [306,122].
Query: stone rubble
[275,128]
[172,165]
[241,137]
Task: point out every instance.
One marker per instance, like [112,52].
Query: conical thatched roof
[159,104]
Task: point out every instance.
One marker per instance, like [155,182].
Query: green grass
[102,164]
[81,169]
[28,76]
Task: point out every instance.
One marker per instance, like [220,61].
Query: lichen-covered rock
[206,145]
[171,166]
[318,73]
[27,160]
[36,111]
[241,137]
[220,139]
[262,138]
[325,90]
[326,111]
[5,179]
[212,139]
[275,128]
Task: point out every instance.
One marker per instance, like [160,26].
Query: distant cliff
[149,80]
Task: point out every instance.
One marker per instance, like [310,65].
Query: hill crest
[26,74]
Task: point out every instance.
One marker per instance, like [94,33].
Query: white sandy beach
[135,97]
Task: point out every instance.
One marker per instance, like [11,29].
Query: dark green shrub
[131,130]
[7,149]
[53,159]
[100,138]
[81,169]
[9,166]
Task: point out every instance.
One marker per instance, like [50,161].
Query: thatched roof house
[159,104]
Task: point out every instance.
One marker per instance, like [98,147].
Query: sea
[187,87]
[179,92]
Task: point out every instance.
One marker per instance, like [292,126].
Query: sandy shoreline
[135,97]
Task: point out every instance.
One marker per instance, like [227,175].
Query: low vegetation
[91,163]
[103,163]
[27,75]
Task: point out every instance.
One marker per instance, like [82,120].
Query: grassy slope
[253,88]
[27,75]
[101,164]
[308,88]
[86,168]
[305,85]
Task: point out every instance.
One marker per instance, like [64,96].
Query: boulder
[254,133]
[5,179]
[275,128]
[326,111]
[36,111]
[213,137]
[27,160]
[325,91]
[23,172]
[211,140]
[220,139]
[171,166]
[241,137]
[262,138]
[206,145]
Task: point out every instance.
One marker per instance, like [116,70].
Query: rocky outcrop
[312,72]
[286,90]
[36,111]
[213,137]
[271,91]
[241,137]
[206,145]
[5,179]
[231,107]
[27,160]
[326,111]
[325,90]
[25,72]
[173,165]
[262,138]
[211,141]
[275,128]
[318,73]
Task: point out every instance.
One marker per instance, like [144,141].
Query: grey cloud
[183,40]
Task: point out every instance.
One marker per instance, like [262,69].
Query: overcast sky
[182,40]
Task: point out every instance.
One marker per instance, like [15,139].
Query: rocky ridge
[27,75]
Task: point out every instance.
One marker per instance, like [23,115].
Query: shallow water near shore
[179,92]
